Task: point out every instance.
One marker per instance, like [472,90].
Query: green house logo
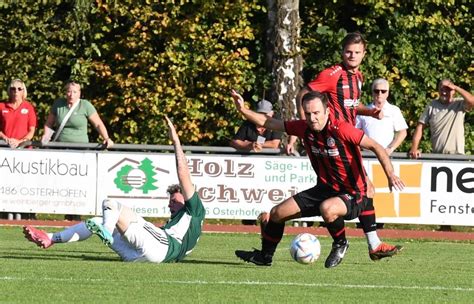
[139,175]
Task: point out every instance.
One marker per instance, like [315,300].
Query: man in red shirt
[342,84]
[17,116]
[340,194]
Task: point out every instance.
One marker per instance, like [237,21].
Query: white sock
[373,240]
[111,213]
[78,232]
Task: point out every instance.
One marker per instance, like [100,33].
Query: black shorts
[310,200]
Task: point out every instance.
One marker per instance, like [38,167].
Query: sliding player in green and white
[131,236]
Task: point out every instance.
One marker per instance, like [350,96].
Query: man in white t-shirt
[391,130]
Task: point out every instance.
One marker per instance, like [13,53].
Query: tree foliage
[413,44]
[139,60]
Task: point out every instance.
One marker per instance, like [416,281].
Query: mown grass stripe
[252,283]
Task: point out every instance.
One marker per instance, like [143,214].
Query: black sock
[337,230]
[367,217]
[271,237]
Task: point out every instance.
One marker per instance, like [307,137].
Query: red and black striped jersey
[334,154]
[343,89]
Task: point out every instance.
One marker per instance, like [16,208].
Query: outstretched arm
[372,112]
[182,168]
[393,180]
[257,118]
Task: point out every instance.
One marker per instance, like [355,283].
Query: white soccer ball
[305,248]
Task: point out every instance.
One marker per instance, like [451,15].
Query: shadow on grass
[63,257]
[42,254]
[210,262]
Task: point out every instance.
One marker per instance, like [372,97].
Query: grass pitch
[88,272]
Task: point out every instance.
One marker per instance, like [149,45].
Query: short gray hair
[380,81]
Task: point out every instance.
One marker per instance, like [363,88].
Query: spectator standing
[17,116]
[70,116]
[391,129]
[17,122]
[74,129]
[250,137]
[445,117]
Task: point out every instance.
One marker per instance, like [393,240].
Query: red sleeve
[349,133]
[323,82]
[296,127]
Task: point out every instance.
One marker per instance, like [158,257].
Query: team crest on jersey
[331,142]
[24,111]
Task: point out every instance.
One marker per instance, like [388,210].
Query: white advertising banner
[136,180]
[230,186]
[436,193]
[48,182]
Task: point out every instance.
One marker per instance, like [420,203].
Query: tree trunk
[284,58]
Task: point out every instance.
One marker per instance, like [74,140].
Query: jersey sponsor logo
[325,152]
[351,103]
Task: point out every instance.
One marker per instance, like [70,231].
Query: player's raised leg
[43,239]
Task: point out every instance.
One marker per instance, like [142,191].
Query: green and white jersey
[184,229]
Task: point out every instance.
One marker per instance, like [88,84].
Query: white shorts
[142,242]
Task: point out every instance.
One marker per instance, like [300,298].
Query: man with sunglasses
[391,130]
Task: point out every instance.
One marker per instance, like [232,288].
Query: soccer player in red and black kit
[342,84]
[340,194]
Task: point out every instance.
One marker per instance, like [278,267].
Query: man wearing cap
[249,137]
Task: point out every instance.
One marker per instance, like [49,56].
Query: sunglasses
[16,89]
[376,91]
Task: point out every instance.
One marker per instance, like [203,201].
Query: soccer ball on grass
[305,248]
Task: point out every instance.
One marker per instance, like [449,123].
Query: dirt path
[383,233]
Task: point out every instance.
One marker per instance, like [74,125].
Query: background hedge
[138,60]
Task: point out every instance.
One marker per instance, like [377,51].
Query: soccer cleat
[39,237]
[337,254]
[100,230]
[256,257]
[384,250]
[263,219]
